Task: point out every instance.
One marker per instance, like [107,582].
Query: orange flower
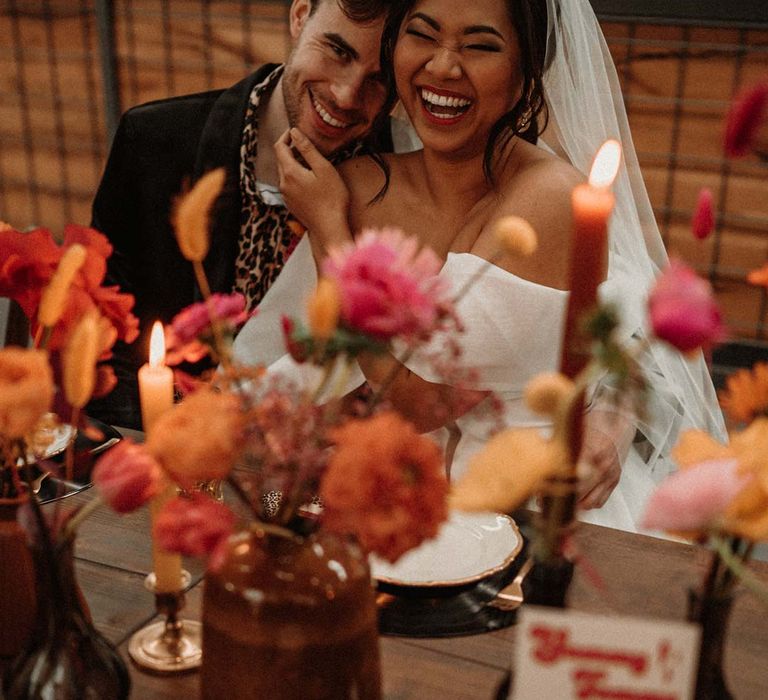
[516,236]
[193,213]
[323,309]
[508,470]
[79,359]
[746,393]
[385,484]
[26,390]
[747,514]
[199,439]
[759,277]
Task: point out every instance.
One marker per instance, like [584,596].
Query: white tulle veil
[586,108]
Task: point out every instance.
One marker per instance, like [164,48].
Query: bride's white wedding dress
[513,331]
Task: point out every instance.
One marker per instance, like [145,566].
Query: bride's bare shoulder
[370,179]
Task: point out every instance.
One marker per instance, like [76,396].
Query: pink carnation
[127,476]
[748,111]
[194,526]
[703,217]
[683,310]
[194,321]
[389,286]
[691,500]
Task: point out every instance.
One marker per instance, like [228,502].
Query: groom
[331,87]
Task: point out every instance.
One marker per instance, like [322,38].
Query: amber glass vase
[66,658]
[17,581]
[289,617]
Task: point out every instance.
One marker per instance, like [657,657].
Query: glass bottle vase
[288,617]
[66,658]
[712,613]
[17,581]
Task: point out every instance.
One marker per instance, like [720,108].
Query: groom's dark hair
[359,10]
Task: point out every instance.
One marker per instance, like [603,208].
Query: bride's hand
[312,188]
[607,439]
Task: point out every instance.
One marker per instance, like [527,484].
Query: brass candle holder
[171,645]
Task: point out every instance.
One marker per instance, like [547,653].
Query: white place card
[566,654]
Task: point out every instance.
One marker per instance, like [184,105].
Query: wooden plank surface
[642,576]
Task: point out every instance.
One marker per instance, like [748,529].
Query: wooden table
[642,576]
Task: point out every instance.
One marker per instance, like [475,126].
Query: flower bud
[515,236]
[192,215]
[79,360]
[323,309]
[55,294]
[545,392]
[683,311]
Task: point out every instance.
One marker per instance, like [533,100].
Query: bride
[477,80]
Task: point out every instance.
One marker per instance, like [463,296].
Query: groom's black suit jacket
[157,149]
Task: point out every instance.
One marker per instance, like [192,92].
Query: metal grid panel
[678,82]
[678,73]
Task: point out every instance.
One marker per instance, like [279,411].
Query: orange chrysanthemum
[746,393]
[385,483]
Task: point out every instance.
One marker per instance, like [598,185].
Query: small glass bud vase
[288,618]
[712,612]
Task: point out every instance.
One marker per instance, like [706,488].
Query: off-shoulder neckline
[493,268]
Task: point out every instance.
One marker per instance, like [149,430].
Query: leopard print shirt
[265,240]
[268,232]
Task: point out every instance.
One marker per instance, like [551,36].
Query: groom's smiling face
[332,85]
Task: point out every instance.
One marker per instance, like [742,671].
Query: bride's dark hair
[528,117]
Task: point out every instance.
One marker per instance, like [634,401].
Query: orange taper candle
[592,205]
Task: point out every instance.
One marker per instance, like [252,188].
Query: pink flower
[194,321]
[194,526]
[127,476]
[683,311]
[703,217]
[693,499]
[388,285]
[745,117]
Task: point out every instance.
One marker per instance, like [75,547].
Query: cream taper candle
[156,395]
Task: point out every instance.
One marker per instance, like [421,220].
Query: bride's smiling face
[457,68]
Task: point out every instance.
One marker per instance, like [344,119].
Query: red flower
[385,484]
[683,310]
[747,113]
[703,217]
[127,476]
[28,263]
[194,526]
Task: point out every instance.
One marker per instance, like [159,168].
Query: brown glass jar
[289,617]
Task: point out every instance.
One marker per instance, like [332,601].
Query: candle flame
[606,165]
[157,346]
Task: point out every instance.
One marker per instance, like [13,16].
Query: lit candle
[592,204]
[156,394]
[155,381]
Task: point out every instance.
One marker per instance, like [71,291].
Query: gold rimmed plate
[469,548]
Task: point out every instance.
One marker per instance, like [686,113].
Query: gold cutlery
[511,596]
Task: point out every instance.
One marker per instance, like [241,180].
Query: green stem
[218,336]
[74,522]
[736,565]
